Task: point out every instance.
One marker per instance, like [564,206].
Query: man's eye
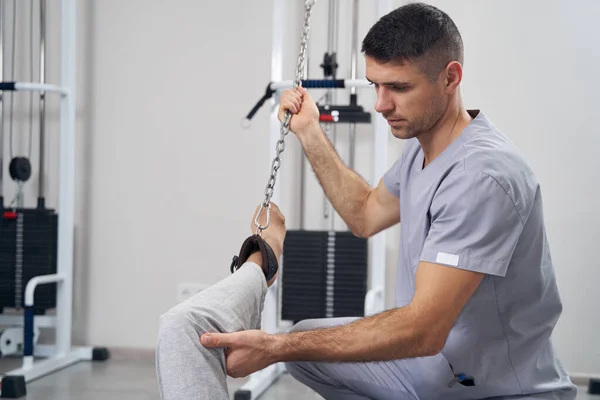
[400,88]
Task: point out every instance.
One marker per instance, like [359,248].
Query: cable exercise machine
[36,244]
[292,297]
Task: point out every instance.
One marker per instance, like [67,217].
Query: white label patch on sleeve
[448,259]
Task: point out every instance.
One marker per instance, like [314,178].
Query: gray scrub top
[478,207]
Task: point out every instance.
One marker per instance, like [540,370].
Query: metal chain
[285,126]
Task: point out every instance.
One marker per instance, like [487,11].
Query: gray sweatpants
[186,369]
[189,371]
[422,378]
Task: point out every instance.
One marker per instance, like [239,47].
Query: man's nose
[384,103]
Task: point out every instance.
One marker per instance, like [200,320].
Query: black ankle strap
[254,243]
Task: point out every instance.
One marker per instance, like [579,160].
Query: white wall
[168,181]
[173,178]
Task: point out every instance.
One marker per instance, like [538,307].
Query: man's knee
[305,372]
[299,370]
[174,323]
[185,319]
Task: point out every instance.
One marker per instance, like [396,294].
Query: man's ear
[453,76]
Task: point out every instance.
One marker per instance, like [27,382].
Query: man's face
[407,99]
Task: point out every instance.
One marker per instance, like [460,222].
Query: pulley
[20,169]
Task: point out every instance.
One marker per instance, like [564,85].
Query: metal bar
[331,96]
[354,52]
[49,350]
[353,66]
[302,158]
[42,169]
[352,144]
[66,198]
[358,83]
[31,67]
[2,24]
[12,78]
[329,205]
[332,27]
[35,282]
[50,365]
[271,312]
[44,350]
[375,299]
[41,321]
[33,86]
[261,380]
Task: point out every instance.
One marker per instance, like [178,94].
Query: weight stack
[28,248]
[324,275]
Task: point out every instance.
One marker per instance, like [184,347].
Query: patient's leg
[186,369]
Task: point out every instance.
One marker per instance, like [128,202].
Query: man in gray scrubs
[476,295]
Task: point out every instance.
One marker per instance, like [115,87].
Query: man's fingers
[301,90]
[291,104]
[291,97]
[292,100]
[297,95]
[297,101]
[216,339]
[287,105]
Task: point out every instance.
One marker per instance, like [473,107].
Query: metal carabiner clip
[260,228]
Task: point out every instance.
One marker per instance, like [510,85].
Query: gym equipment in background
[28,237]
[36,244]
[11,340]
[594,386]
[325,275]
[326,271]
[322,273]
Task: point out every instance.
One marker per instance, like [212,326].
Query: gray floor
[130,376]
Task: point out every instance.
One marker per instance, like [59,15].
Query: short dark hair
[415,32]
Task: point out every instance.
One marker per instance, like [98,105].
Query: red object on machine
[10,215]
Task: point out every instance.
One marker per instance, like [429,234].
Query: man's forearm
[347,191]
[391,335]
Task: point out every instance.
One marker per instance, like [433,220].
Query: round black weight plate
[20,169]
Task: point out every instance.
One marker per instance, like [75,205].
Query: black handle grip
[268,94]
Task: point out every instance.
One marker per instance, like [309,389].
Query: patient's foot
[256,258]
[275,232]
[274,235]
